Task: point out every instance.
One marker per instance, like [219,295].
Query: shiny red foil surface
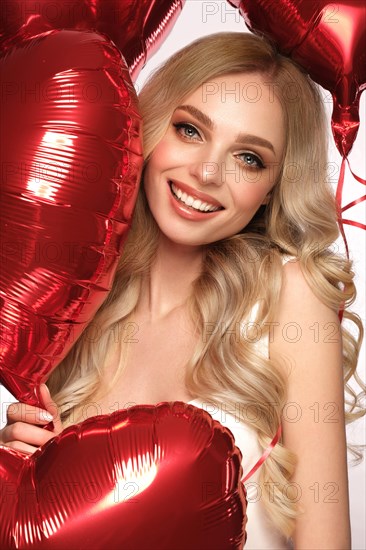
[137,27]
[152,477]
[71,162]
[328,39]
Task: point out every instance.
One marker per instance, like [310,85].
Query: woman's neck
[171,275]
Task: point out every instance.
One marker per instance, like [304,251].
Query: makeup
[188,212]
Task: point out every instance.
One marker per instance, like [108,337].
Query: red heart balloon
[329,40]
[151,477]
[137,27]
[71,162]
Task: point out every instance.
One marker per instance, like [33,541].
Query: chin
[186,242]
[183,240]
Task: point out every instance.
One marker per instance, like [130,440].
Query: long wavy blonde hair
[299,220]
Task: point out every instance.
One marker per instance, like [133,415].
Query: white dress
[261,534]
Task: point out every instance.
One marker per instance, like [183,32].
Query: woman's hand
[24,430]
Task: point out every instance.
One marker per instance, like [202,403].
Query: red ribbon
[353,203]
[264,455]
[341,221]
[341,209]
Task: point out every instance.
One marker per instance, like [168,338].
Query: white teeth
[193,203]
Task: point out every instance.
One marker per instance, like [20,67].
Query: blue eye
[251,160]
[186,130]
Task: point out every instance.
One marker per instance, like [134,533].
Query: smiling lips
[193,198]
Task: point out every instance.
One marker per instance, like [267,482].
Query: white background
[199,18]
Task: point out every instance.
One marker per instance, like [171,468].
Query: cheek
[249,198]
[166,155]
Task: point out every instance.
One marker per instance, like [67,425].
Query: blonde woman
[227,293]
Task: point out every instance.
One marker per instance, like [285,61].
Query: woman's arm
[308,340]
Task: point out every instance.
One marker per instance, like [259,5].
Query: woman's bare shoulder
[297,298]
[306,330]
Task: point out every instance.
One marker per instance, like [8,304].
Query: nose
[206,166]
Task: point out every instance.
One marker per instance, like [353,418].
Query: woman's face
[217,161]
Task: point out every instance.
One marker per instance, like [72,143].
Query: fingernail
[46,416]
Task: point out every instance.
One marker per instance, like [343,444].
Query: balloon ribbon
[264,455]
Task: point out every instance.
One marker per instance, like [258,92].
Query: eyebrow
[199,115]
[255,140]
[241,138]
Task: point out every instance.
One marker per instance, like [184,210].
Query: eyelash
[185,126]
[259,163]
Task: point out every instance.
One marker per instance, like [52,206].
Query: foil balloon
[151,477]
[328,39]
[71,162]
[137,27]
